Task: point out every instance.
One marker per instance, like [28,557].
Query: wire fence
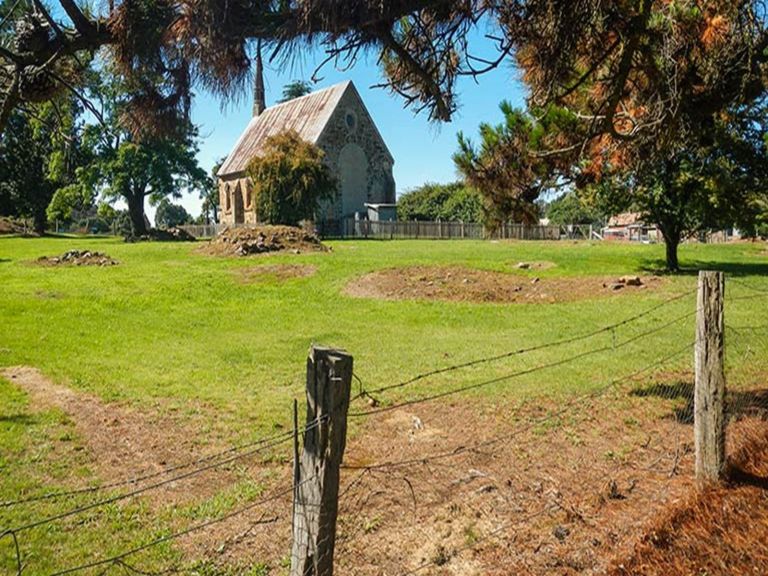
[440,481]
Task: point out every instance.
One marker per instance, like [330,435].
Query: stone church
[336,120]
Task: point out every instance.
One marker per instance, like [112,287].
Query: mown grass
[170,329]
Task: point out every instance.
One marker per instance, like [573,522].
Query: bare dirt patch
[279,272]
[122,442]
[464,488]
[77,258]
[264,240]
[470,285]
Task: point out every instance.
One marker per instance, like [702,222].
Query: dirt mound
[163,235]
[469,285]
[264,239]
[7,226]
[279,272]
[77,258]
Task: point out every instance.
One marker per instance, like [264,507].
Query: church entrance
[353,172]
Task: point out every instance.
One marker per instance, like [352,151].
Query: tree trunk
[39,221]
[136,213]
[671,242]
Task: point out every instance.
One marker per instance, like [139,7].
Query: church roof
[307,115]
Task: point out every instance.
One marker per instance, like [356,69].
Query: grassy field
[176,332]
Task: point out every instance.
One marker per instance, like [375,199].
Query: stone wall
[236,201]
[351,127]
[356,156]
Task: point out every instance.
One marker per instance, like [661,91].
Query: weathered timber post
[316,478]
[709,394]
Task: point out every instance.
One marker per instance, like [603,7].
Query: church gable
[337,121]
[358,156]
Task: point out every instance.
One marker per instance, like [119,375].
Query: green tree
[717,182]
[124,166]
[295,89]
[290,179]
[69,201]
[38,153]
[506,167]
[168,214]
[448,202]
[571,208]
[210,196]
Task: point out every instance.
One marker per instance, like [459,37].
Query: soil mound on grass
[163,235]
[468,285]
[264,240]
[8,226]
[77,258]
[279,272]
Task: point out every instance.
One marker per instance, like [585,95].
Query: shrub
[289,180]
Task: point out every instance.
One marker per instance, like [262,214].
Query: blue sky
[422,149]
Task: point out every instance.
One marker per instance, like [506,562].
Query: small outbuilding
[336,120]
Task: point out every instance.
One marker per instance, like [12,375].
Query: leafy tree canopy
[571,208]
[289,180]
[720,180]
[133,169]
[168,214]
[511,167]
[448,202]
[295,89]
[38,153]
[630,69]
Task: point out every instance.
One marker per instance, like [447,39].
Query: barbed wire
[194,528]
[237,452]
[142,478]
[143,489]
[552,415]
[520,351]
[524,372]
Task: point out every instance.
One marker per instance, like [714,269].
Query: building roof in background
[306,115]
[624,219]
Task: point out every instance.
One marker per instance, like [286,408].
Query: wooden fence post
[316,478]
[709,393]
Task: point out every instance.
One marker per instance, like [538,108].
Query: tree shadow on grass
[738,403]
[692,268]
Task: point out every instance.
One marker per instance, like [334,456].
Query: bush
[289,180]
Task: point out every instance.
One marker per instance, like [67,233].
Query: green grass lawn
[173,330]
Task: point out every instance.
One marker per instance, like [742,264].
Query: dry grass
[719,531]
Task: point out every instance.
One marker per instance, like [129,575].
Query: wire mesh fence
[442,479]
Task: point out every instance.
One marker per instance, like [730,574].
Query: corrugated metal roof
[307,115]
[624,219]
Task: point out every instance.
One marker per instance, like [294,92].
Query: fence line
[324,422]
[428,230]
[525,372]
[368,392]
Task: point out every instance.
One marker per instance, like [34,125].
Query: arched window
[248,195]
[227,198]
